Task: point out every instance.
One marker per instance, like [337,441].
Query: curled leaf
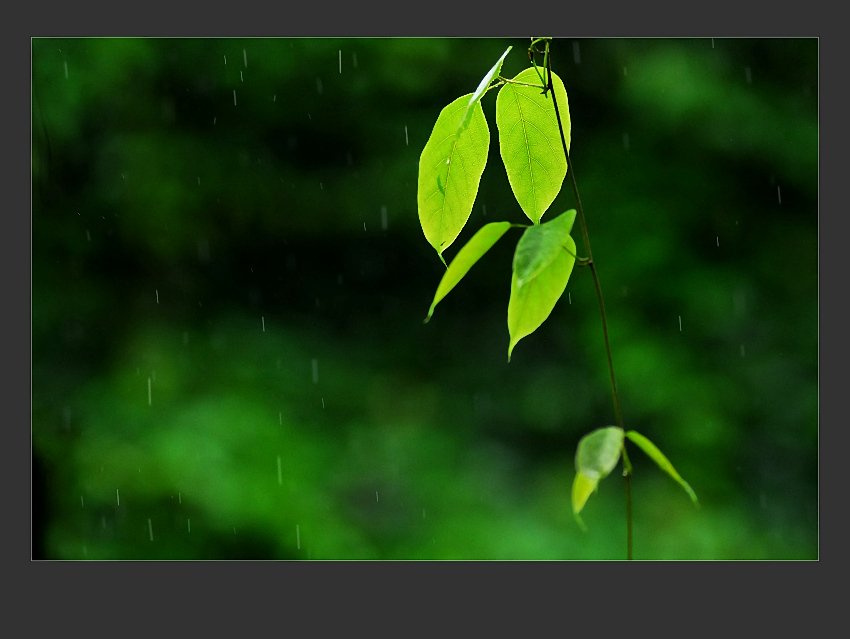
[475,98]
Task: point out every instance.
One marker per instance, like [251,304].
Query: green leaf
[663,463]
[596,456]
[599,451]
[530,141]
[541,244]
[531,303]
[481,90]
[583,486]
[450,169]
[480,243]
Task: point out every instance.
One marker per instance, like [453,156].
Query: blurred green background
[229,282]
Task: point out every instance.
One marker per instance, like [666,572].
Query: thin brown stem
[618,413]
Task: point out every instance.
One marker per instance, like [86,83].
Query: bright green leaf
[663,463]
[540,244]
[530,141]
[450,169]
[583,486]
[480,243]
[596,456]
[531,303]
[481,90]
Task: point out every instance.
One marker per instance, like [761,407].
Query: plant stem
[617,411]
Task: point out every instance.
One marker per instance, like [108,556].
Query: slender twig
[617,411]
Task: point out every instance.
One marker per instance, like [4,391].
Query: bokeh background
[229,282]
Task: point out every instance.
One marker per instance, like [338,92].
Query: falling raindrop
[274,98]
[376,495]
[718,240]
[189,524]
[117,496]
[66,69]
[225,59]
[680,323]
[778,194]
[315,363]
[150,528]
[234,97]
[157,295]
[82,503]
[569,298]
[712,43]
[199,180]
[323,403]
[406,142]
[245,57]
[179,498]
[149,391]
[298,536]
[88,235]
[263,319]
[340,60]
[279,472]
[576,54]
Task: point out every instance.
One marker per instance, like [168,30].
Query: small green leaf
[540,244]
[596,456]
[481,90]
[599,451]
[477,246]
[450,169]
[530,141]
[531,303]
[663,463]
[583,486]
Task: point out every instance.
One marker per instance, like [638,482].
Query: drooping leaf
[663,463]
[530,141]
[540,244]
[479,92]
[531,303]
[450,169]
[472,251]
[596,456]
[583,486]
